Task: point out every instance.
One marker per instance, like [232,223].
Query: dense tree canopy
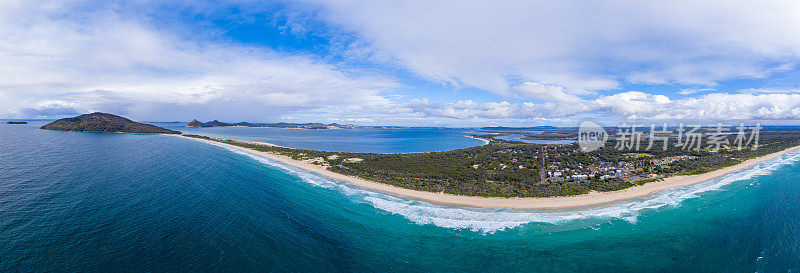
[105,123]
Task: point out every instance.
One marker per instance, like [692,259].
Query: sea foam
[491,220]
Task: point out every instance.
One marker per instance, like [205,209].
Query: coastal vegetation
[517,169]
[502,168]
[105,123]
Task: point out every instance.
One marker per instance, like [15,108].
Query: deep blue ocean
[92,202]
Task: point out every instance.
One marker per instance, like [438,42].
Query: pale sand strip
[485,142]
[593,198]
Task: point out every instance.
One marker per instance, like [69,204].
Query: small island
[105,123]
[16,122]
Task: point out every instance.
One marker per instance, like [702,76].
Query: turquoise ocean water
[88,202]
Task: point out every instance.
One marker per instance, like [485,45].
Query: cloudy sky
[423,63]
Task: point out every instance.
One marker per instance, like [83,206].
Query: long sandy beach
[593,198]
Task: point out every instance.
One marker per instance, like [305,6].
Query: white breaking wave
[490,220]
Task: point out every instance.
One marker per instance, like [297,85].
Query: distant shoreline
[590,199]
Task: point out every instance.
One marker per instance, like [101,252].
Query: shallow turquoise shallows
[89,202]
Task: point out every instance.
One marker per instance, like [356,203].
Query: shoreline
[590,199]
[485,142]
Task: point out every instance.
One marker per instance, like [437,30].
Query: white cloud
[632,105]
[770,90]
[723,106]
[577,45]
[545,92]
[464,109]
[104,61]
[53,108]
[689,91]
[546,59]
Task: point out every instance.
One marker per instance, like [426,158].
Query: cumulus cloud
[632,105]
[107,61]
[545,92]
[545,61]
[581,46]
[52,108]
[464,109]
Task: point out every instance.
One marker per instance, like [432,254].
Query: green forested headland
[105,123]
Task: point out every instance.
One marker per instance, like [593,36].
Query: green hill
[105,123]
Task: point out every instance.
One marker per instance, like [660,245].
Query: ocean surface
[93,202]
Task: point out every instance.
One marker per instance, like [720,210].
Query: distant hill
[213,123]
[545,127]
[105,123]
[315,125]
[197,123]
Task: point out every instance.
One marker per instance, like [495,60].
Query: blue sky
[422,63]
